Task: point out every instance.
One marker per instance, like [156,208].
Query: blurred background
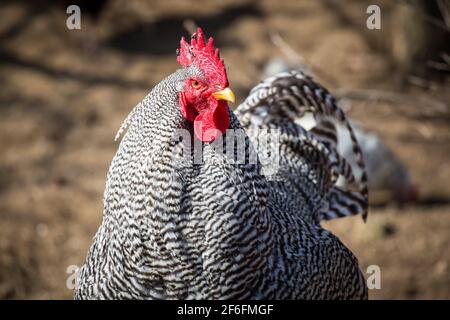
[64,94]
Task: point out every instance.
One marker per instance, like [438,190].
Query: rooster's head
[205,92]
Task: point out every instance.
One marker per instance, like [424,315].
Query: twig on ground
[298,61]
[440,66]
[190,26]
[429,18]
[292,56]
[444,8]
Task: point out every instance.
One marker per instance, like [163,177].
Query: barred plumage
[176,229]
[278,102]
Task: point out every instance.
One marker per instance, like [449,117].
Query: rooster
[186,216]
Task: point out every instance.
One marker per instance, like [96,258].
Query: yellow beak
[225,94]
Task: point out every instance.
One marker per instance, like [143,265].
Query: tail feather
[342,203]
[325,130]
[287,97]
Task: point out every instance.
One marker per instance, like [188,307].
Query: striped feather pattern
[176,229]
[278,102]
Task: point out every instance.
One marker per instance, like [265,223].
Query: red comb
[198,50]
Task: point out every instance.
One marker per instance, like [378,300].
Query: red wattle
[212,123]
[187,112]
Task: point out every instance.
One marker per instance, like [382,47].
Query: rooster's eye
[196,84]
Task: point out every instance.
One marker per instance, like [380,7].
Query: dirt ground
[64,94]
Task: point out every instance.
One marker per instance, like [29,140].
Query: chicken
[189,214]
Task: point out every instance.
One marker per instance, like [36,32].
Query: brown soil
[64,94]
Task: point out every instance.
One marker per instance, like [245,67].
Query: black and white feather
[279,102]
